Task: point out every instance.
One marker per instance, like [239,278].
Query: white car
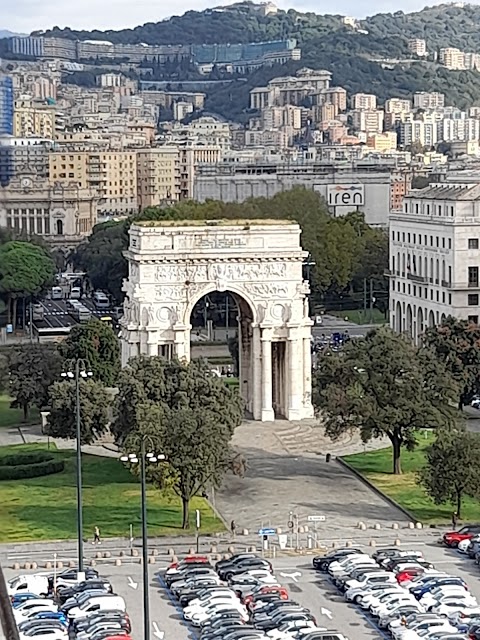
[437,625]
[357,587]
[30,606]
[190,612]
[50,633]
[348,564]
[384,608]
[297,627]
[463,545]
[36,583]
[373,598]
[204,615]
[449,607]
[207,596]
[444,592]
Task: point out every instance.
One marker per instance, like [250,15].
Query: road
[57,316]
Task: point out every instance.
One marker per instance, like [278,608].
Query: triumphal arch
[172,265]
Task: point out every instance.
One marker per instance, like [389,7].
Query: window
[414,238]
[408,237]
[473,243]
[473,319]
[443,243]
[473,276]
[449,243]
[431,241]
[403,237]
[473,299]
[449,298]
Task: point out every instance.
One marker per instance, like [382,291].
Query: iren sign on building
[346,195]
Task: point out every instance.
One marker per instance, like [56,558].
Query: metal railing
[8,627]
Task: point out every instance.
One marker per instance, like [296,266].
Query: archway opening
[222,334]
[59,227]
[419,324]
[409,323]
[398,318]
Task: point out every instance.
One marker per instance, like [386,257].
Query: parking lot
[309,588]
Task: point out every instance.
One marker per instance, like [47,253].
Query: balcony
[415,278]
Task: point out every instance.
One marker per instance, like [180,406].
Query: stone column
[295,375]
[257,373]
[308,411]
[181,350]
[267,408]
[152,343]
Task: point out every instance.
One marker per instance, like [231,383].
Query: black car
[236,568]
[273,608]
[321,563]
[237,557]
[393,562]
[83,624]
[231,615]
[71,575]
[219,632]
[101,584]
[188,569]
[188,595]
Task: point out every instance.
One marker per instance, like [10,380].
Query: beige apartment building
[33,121]
[418,47]
[364,101]
[158,176]
[452,58]
[112,174]
[382,142]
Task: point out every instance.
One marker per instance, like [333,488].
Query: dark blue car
[421,590]
[20,598]
[51,615]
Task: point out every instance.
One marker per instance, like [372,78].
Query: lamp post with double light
[78,370]
[144,457]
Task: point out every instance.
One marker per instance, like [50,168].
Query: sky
[24,16]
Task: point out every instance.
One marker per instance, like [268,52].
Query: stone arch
[409,321]
[443,318]
[398,318]
[419,323]
[431,319]
[241,297]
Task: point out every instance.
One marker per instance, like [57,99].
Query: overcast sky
[24,16]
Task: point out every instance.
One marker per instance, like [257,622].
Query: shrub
[29,465]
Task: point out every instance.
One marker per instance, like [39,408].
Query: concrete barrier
[121,554]
[348,543]
[154,552]
[59,564]
[98,554]
[72,564]
[48,565]
[252,549]
[377,526]
[231,549]
[134,553]
[360,525]
[173,558]
[27,566]
[213,548]
[363,526]
[192,551]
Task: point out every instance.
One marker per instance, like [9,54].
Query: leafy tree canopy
[383,386]
[187,413]
[456,343]
[25,268]
[32,368]
[97,345]
[451,469]
[94,410]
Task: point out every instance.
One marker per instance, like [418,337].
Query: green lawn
[45,508]
[377,467]
[359,317]
[14,417]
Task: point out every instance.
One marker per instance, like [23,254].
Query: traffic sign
[267,532]
[316,518]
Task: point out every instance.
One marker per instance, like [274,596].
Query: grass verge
[358,316]
[45,508]
[376,466]
[14,417]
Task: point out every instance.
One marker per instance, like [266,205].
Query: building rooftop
[445,191]
[212,223]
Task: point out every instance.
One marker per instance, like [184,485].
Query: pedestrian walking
[96,536]
[454,519]
[233,528]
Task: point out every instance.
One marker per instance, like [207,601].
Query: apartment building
[428,100]
[452,58]
[30,120]
[18,153]
[336,96]
[6,105]
[418,47]
[158,176]
[422,131]
[382,142]
[364,101]
[458,129]
[435,258]
[398,106]
[368,120]
[111,174]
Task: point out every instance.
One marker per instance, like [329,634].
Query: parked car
[452,538]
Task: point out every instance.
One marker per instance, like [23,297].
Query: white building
[364,101]
[418,47]
[423,131]
[434,257]
[458,130]
[370,121]
[428,100]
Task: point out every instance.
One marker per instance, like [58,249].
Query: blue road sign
[267,532]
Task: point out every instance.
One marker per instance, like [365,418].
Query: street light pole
[79,469]
[146,599]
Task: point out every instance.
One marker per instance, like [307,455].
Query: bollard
[107,554]
[305,528]
[59,564]
[98,554]
[245,532]
[227,556]
[213,548]
[348,544]
[151,559]
[363,526]
[174,559]
[328,457]
[72,564]
[171,552]
[93,563]
[27,566]
[118,562]
[121,554]
[154,552]
[192,551]
[48,565]
[252,549]
[397,542]
[411,525]
[360,525]
[419,525]
[301,529]
[231,549]
[134,553]
[16,566]
[395,525]
[377,526]
[372,543]
[34,565]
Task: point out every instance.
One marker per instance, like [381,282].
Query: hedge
[29,465]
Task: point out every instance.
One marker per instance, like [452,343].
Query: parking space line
[178,608]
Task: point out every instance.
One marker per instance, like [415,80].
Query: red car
[281,591]
[408,574]
[188,560]
[452,538]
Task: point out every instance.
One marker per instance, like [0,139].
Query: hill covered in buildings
[370,55]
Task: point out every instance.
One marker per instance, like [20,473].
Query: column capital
[267,334]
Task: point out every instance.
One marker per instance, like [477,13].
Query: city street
[57,316]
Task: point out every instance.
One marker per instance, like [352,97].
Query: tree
[32,368]
[96,343]
[383,386]
[456,343]
[25,269]
[451,470]
[187,412]
[94,410]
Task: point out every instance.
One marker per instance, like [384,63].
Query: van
[100,300]
[75,293]
[57,293]
[108,602]
[37,311]
[81,313]
[28,584]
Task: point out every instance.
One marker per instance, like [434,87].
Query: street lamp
[78,371]
[150,458]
